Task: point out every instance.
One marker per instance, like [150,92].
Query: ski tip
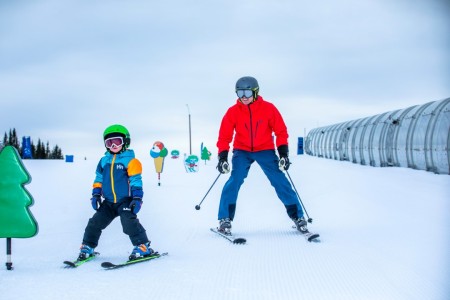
[239,241]
[69,264]
[314,238]
[107,264]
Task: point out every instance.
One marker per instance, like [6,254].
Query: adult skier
[251,123]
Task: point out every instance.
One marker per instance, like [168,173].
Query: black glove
[223,166]
[96,201]
[135,205]
[283,162]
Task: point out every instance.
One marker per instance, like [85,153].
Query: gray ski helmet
[248,83]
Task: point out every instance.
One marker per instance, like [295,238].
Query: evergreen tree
[59,154]
[15,140]
[47,150]
[56,153]
[33,149]
[42,155]
[10,137]
[38,151]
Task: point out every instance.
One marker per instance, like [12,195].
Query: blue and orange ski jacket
[252,127]
[118,177]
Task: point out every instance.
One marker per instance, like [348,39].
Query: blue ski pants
[268,161]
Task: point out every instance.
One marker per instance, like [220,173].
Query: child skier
[118,180]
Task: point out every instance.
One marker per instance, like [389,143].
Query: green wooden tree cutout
[206,155]
[16,221]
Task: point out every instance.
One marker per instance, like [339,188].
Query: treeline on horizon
[38,151]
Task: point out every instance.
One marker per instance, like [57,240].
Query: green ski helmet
[118,130]
[248,83]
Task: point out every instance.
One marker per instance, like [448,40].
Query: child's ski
[77,263]
[230,237]
[110,265]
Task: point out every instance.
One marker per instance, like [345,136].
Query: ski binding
[77,263]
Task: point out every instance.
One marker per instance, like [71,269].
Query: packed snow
[385,234]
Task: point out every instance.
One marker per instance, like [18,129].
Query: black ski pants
[106,213]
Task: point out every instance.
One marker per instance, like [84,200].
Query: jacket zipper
[251,128]
[112,178]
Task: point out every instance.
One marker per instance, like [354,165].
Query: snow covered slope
[385,234]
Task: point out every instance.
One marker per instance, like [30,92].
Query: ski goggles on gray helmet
[244,93]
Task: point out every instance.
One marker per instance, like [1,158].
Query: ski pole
[309,219]
[197,207]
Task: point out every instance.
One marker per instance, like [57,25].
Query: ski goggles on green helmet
[244,93]
[116,141]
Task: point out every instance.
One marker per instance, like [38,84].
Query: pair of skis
[309,236]
[110,265]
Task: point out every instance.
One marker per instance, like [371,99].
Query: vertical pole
[8,254]
[190,143]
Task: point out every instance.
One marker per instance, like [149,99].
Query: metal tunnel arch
[416,137]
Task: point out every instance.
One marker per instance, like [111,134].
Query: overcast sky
[68,69]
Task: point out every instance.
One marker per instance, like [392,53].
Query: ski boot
[225,226]
[140,251]
[85,252]
[301,224]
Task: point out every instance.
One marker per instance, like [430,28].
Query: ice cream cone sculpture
[158,152]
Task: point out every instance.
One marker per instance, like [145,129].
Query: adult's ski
[78,262]
[110,266]
[309,236]
[229,237]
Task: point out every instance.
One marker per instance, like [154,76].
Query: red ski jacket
[253,127]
